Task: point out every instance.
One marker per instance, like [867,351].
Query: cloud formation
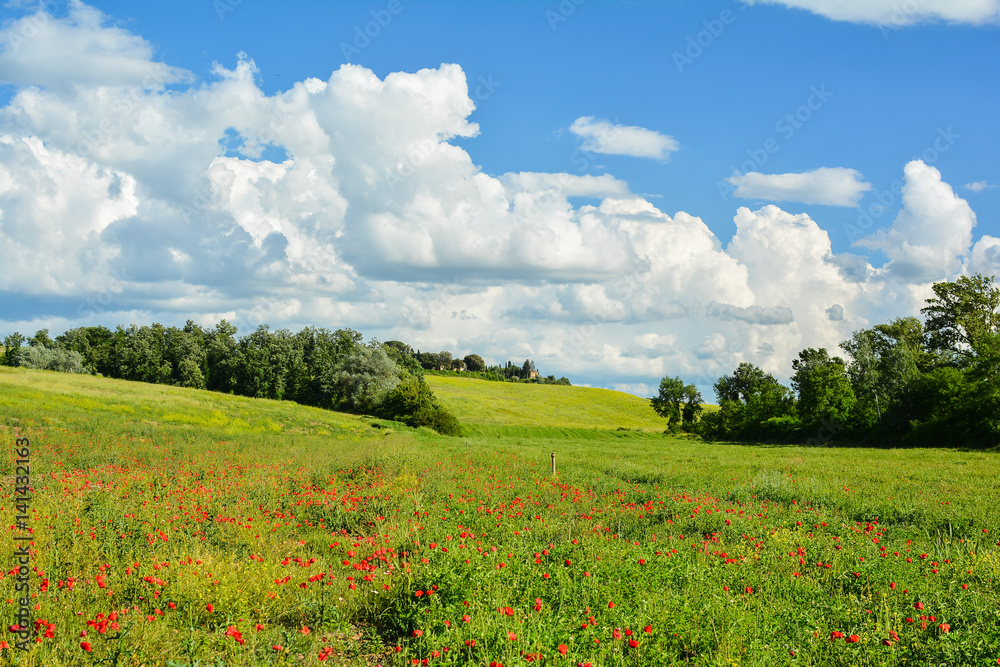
[80,50]
[896,14]
[979,186]
[602,136]
[829,186]
[344,202]
[931,234]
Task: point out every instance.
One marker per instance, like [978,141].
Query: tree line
[473,365]
[316,366]
[907,382]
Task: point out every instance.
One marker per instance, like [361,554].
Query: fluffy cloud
[80,50]
[344,202]
[830,186]
[896,14]
[985,257]
[931,234]
[601,136]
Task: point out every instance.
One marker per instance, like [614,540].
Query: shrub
[64,361]
[413,403]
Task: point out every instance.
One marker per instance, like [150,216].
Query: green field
[485,403]
[220,530]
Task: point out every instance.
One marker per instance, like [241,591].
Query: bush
[413,403]
[42,358]
[438,418]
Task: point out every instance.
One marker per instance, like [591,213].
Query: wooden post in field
[553,463]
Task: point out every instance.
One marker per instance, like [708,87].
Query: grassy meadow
[178,527]
[485,403]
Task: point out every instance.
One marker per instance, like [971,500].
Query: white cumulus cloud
[829,186]
[932,232]
[602,136]
[82,49]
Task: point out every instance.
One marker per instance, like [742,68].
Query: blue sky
[642,188]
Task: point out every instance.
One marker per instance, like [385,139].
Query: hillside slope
[480,402]
[47,397]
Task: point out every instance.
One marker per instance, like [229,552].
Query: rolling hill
[479,403]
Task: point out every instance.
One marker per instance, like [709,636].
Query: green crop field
[480,402]
[170,526]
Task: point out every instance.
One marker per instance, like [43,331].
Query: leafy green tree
[404,357]
[752,404]
[361,379]
[12,344]
[444,360]
[428,360]
[825,395]
[667,403]
[884,373]
[474,363]
[401,348]
[265,363]
[186,353]
[41,339]
[138,354]
[93,343]
[692,408]
[221,351]
[961,405]
[962,315]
